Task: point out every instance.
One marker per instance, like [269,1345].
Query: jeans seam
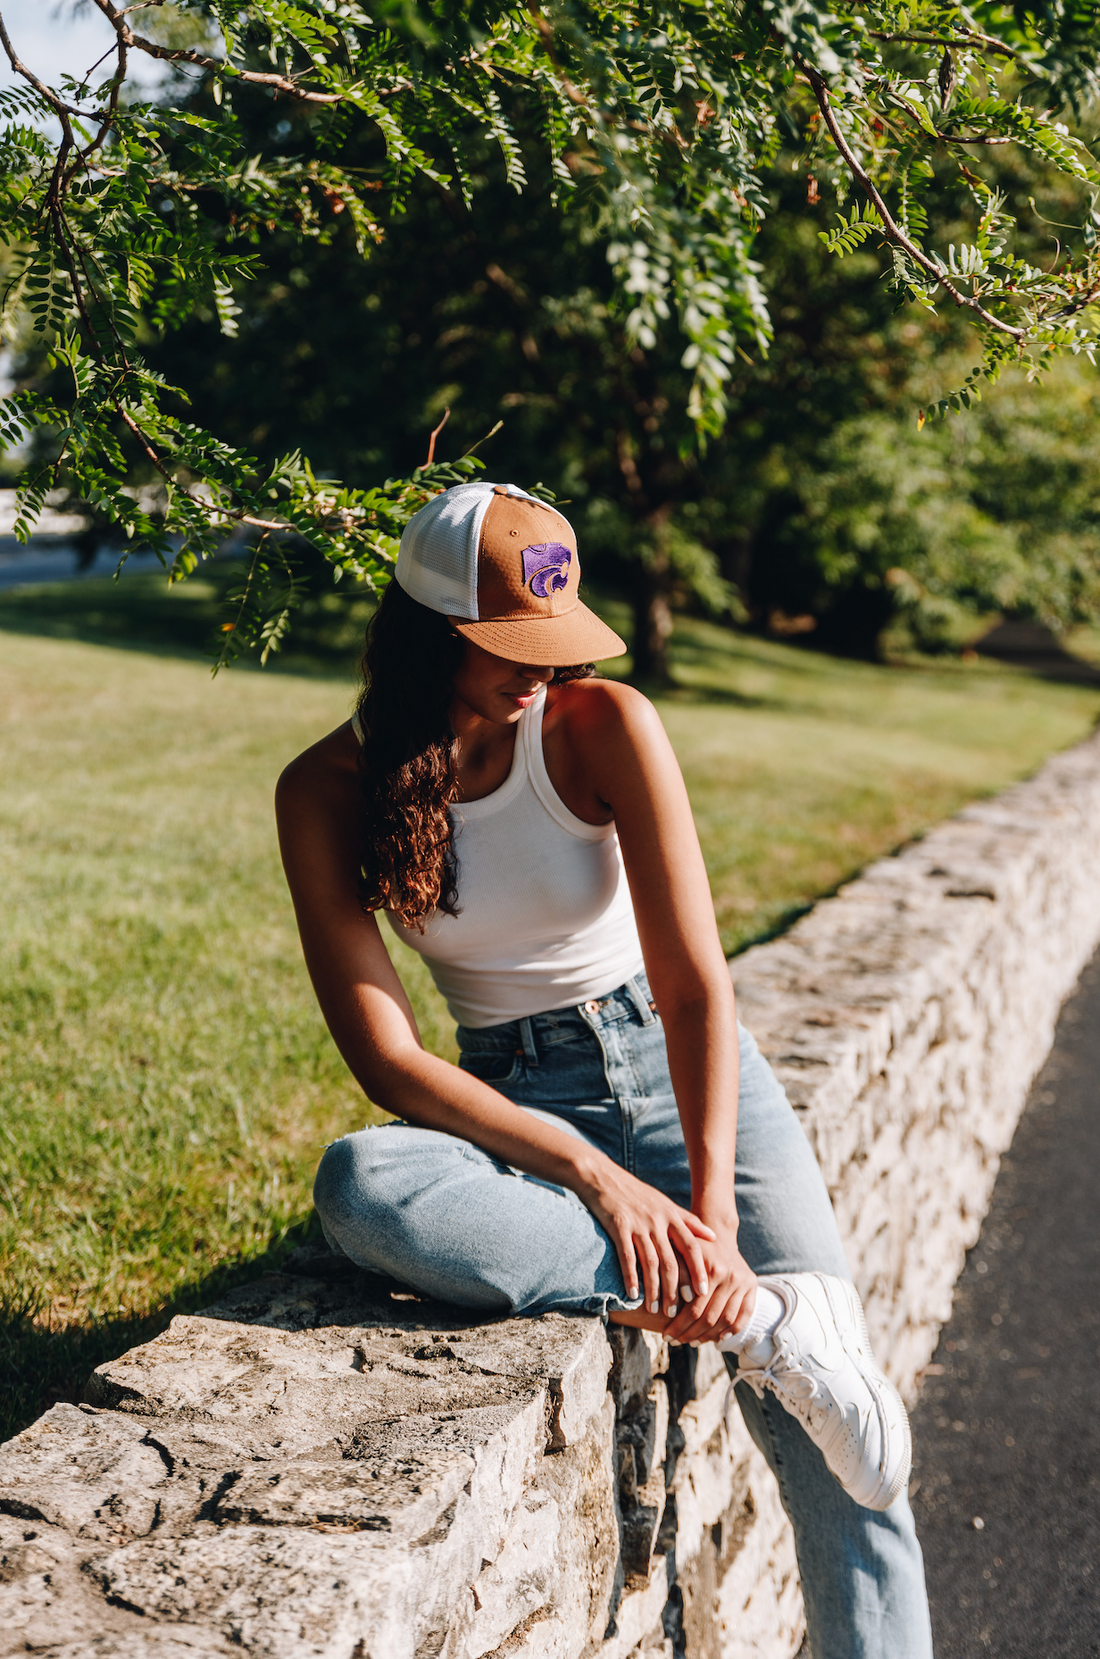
[597,1029]
[625,1103]
[626,1119]
[519,1069]
[638,1091]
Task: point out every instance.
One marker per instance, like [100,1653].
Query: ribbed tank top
[546,919]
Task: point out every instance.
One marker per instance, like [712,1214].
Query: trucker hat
[503,566]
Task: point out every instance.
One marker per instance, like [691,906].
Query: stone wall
[907,1017]
[324,1465]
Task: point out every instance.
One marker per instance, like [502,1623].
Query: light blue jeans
[443,1216]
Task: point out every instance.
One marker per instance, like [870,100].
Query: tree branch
[237,514]
[946,138]
[181,54]
[891,230]
[969,37]
[108,119]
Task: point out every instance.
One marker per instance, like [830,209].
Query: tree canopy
[639,138]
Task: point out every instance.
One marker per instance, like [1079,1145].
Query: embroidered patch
[544,567]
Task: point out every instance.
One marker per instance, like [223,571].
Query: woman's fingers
[687,1242]
[628,1261]
[699,1321]
[658,1243]
[670,1276]
[740,1317]
[650,1264]
[728,1307]
[660,1268]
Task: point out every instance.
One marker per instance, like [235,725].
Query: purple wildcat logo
[544,567]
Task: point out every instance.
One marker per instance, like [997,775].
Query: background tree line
[822,512]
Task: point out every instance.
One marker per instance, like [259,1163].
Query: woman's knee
[334,1184]
[351,1173]
[376,1171]
[359,1186]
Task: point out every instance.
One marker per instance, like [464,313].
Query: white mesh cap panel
[437,560]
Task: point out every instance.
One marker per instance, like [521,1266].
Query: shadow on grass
[39,1367]
[712,695]
[785,920]
[139,612]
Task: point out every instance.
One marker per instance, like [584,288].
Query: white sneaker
[823,1372]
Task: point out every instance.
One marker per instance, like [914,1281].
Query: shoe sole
[881,1386]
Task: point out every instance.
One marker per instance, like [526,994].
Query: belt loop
[528,1035]
[641,1002]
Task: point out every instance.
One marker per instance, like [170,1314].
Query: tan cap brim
[546,641]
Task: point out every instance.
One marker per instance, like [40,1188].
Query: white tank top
[546,919]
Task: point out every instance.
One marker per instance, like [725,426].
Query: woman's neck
[485,749]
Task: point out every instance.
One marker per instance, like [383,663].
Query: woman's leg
[862,1573]
[443,1216]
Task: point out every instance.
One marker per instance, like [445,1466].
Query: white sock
[754,1341]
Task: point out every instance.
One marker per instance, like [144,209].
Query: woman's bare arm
[623,757]
[372,1022]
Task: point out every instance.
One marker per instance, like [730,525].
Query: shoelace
[802,1390]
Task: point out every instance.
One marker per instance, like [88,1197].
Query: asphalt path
[1006,1487]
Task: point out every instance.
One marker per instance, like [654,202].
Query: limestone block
[98,1480]
[156,1644]
[581,1481]
[637,1625]
[339,1467]
[759,1608]
[402,1497]
[520,1581]
[43,1599]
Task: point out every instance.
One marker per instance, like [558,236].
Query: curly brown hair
[408,761]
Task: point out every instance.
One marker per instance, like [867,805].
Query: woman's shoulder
[328,771]
[601,711]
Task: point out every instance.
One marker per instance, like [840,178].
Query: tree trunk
[652,627]
[853,625]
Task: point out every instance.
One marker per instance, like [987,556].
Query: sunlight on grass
[801,768]
[167,1082]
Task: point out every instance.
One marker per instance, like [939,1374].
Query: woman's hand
[732,1291]
[660,1245]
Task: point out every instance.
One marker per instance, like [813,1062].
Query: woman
[525,827]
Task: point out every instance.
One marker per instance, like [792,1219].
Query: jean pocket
[492,1065]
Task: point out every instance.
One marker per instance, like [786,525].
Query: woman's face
[493,687]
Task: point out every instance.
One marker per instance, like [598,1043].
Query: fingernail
[704,1288]
[655,1307]
[671,1310]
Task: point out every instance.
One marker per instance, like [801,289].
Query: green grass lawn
[166,1084]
